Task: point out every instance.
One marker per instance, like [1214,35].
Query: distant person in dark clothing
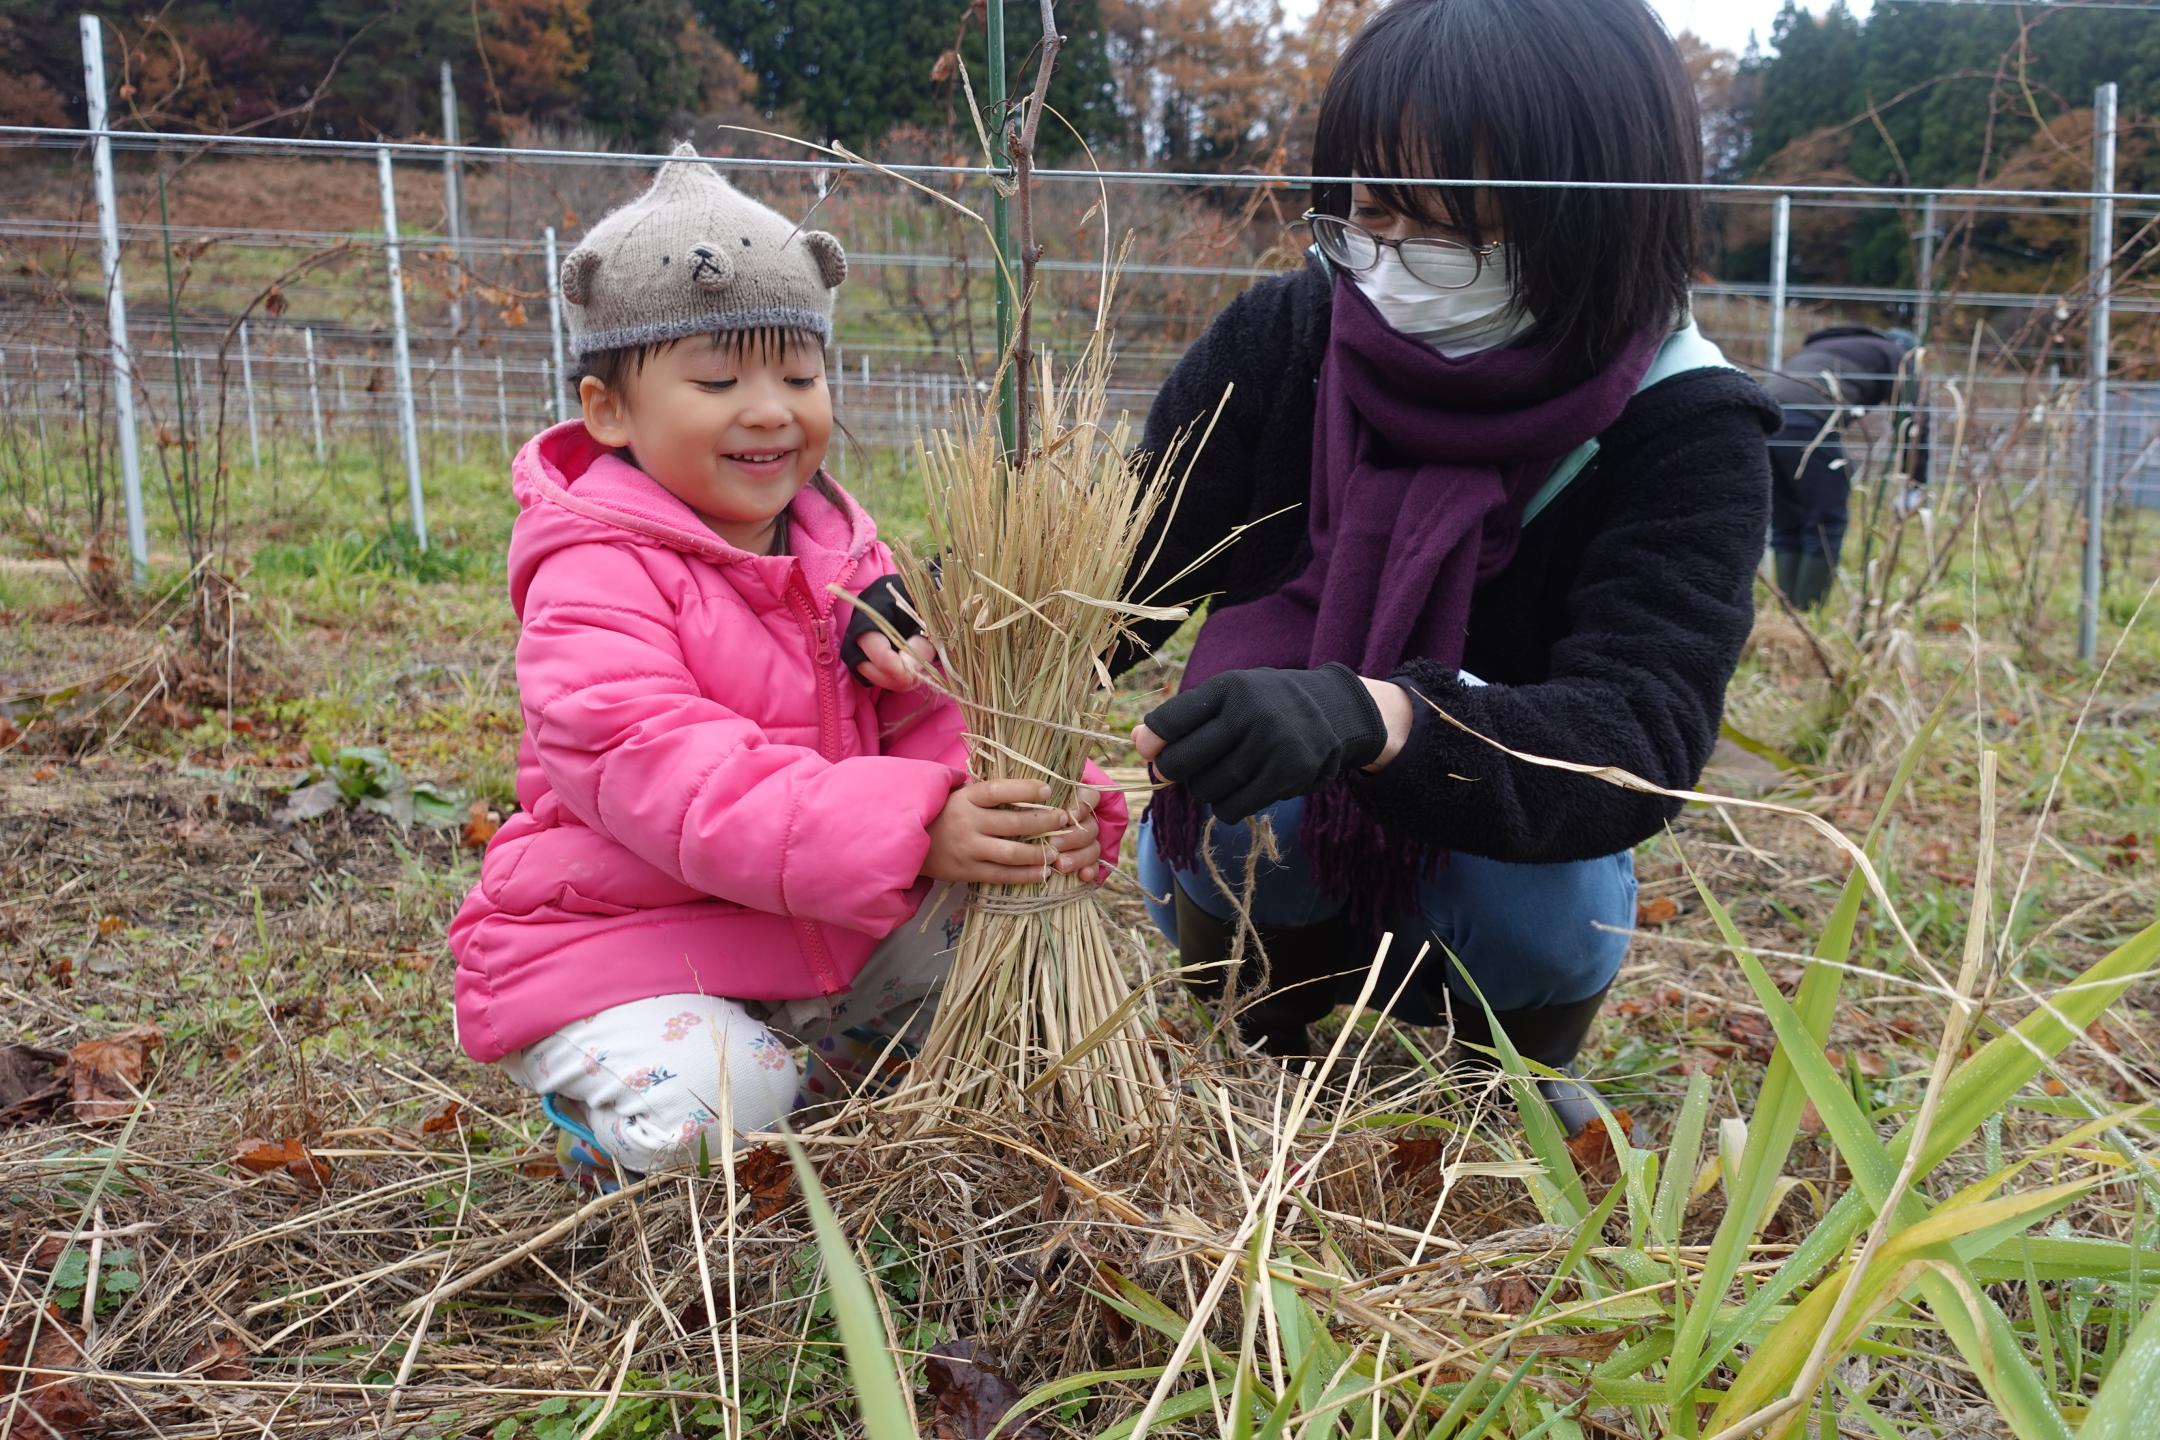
[1838,373]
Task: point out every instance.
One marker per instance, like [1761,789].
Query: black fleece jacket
[1608,640]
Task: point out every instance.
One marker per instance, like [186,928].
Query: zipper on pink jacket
[826,653]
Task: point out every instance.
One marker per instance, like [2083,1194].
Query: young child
[727,841]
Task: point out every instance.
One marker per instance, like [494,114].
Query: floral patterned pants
[642,1084]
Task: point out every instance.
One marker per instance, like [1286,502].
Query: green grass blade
[1682,1158]
[1989,1346]
[1778,1106]
[868,1349]
[1771,1130]
[1984,1082]
[2130,1396]
[1181,1406]
[1559,1192]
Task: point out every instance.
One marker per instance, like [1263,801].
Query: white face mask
[1480,316]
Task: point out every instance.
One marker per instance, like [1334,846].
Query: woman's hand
[1246,739]
[978,840]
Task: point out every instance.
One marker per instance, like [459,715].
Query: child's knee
[658,1081]
[684,1126]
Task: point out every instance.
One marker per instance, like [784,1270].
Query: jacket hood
[573,490]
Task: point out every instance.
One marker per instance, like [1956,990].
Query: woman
[1496,483]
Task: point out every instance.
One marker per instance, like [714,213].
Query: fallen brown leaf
[47,1405]
[1754,1032]
[1655,911]
[1593,1149]
[766,1174]
[444,1119]
[264,1157]
[106,1076]
[969,1396]
[480,826]
[224,1358]
[1514,1296]
[1414,1154]
[30,1086]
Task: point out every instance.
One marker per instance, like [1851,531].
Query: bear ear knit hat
[695,256]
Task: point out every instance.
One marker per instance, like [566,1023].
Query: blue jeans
[1529,935]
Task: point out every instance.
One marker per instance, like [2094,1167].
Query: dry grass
[1022,588]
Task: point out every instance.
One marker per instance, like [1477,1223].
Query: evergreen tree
[641,83]
[857,82]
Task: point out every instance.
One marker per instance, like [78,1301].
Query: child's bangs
[765,344]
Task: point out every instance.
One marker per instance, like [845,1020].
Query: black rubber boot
[1552,1035]
[1785,570]
[1276,1022]
[1811,582]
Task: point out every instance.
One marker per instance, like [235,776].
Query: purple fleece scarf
[1421,468]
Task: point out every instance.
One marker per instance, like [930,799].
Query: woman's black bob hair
[1582,90]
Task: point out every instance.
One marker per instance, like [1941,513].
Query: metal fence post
[1928,237]
[314,394]
[2103,252]
[247,387]
[408,422]
[502,406]
[1780,262]
[554,284]
[93,45]
[454,222]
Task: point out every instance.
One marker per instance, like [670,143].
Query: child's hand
[871,657]
[975,840]
[891,669]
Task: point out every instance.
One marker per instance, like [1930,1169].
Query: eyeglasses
[1437,262]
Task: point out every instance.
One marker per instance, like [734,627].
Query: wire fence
[264,323]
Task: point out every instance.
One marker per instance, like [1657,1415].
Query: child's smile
[731,425]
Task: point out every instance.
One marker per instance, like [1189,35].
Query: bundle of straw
[1024,601]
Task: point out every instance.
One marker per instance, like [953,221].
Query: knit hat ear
[831,259]
[578,270]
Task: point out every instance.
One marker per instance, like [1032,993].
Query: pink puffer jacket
[710,803]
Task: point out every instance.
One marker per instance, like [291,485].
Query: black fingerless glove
[885,597]
[1246,739]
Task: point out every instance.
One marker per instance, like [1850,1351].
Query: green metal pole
[1001,226]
